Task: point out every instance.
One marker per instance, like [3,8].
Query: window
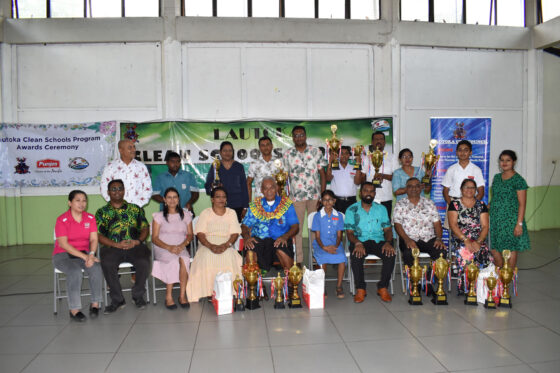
[299,8]
[332,9]
[84,8]
[448,11]
[232,8]
[478,12]
[550,9]
[105,8]
[364,9]
[511,13]
[265,8]
[198,8]
[414,10]
[29,9]
[67,8]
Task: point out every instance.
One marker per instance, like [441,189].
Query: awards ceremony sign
[448,132]
[55,155]
[199,142]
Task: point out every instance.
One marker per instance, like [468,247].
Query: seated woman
[171,233]
[217,230]
[468,220]
[74,251]
[328,226]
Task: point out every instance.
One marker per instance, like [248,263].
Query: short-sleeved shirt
[367,225]
[328,226]
[385,193]
[417,220]
[77,232]
[183,181]
[269,225]
[400,178]
[124,223]
[342,184]
[258,170]
[136,179]
[456,174]
[303,171]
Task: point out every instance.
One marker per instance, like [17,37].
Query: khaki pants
[301,207]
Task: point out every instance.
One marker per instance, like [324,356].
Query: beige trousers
[303,209]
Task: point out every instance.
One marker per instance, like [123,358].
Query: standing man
[344,181]
[384,193]
[134,174]
[262,167]
[177,178]
[304,164]
[457,172]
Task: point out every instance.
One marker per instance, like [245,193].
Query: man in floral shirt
[262,167]
[305,166]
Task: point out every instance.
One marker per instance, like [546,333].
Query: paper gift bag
[481,288]
[222,296]
[314,288]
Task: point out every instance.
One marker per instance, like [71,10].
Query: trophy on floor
[294,277]
[216,164]
[376,159]
[281,178]
[251,273]
[506,276]
[440,271]
[472,276]
[491,282]
[430,160]
[238,286]
[278,283]
[415,272]
[357,152]
[333,146]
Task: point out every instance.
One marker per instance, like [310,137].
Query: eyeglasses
[116,189]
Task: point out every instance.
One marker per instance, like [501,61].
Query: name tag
[183,186]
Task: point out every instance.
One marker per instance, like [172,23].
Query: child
[328,226]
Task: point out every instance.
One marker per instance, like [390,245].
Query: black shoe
[430,290]
[93,311]
[140,303]
[170,306]
[183,305]
[113,307]
[78,317]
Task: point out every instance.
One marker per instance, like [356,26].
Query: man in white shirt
[464,169]
[344,181]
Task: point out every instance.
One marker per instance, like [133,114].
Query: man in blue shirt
[369,231]
[269,227]
[179,179]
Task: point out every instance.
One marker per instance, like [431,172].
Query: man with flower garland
[269,227]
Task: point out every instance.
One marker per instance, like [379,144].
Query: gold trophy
[506,276]
[238,291]
[430,160]
[279,287]
[251,272]
[472,276]
[216,164]
[334,145]
[491,282]
[416,273]
[281,178]
[376,159]
[294,277]
[357,154]
[442,265]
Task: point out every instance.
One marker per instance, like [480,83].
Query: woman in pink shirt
[74,251]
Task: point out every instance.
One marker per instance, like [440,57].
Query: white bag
[314,288]
[481,288]
[222,296]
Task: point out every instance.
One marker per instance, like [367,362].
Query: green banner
[199,142]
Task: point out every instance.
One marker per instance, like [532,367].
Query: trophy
[357,155]
[472,276]
[281,178]
[278,283]
[238,286]
[416,273]
[251,272]
[376,159]
[216,164]
[491,282]
[429,160]
[506,275]
[440,270]
[294,277]
[334,145]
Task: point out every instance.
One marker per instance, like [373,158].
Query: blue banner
[448,132]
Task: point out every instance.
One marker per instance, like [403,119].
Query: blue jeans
[72,268]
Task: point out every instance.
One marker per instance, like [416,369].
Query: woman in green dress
[508,230]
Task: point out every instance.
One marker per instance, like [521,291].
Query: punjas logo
[48,163]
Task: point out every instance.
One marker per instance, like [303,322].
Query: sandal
[339,292]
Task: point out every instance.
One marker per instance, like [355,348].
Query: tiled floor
[344,337]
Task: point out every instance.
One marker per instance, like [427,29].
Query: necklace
[260,213]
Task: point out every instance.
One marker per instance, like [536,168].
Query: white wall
[551,118]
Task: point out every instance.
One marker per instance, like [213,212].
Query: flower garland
[261,214]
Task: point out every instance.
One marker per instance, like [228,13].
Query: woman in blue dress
[407,170]
[328,226]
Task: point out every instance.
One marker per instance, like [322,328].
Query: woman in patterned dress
[508,230]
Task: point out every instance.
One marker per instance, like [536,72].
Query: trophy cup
[506,276]
[357,155]
[279,287]
[251,272]
[376,159]
[334,145]
[216,164]
[429,160]
[238,291]
[491,282]
[472,276]
[416,273]
[441,267]
[281,178]
[294,277]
